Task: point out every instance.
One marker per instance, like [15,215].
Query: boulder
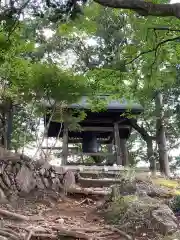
[149,212]
[39,183]
[141,211]
[25,179]
[153,190]
[3,238]
[164,220]
[2,196]
[127,187]
[69,180]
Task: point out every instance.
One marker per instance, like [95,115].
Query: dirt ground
[73,218]
[47,215]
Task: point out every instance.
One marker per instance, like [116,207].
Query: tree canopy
[62,50]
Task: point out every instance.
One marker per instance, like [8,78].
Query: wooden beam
[96,174]
[103,129]
[104,120]
[97,183]
[117,143]
[124,152]
[98,169]
[100,120]
[100,140]
[97,129]
[58,148]
[102,154]
[65,145]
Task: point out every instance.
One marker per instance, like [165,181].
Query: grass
[171,184]
[177,192]
[118,207]
[166,183]
[175,236]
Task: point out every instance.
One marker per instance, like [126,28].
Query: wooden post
[65,145]
[110,159]
[124,152]
[117,143]
[110,148]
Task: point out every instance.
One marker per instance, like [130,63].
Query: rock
[12,197]
[69,179]
[142,212]
[154,215]
[46,182]
[153,190]
[175,236]
[39,183]
[160,215]
[60,221]
[3,238]
[164,220]
[24,179]
[60,170]
[42,163]
[2,196]
[6,179]
[42,171]
[55,184]
[137,186]
[126,187]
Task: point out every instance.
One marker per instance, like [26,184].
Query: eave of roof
[84,103]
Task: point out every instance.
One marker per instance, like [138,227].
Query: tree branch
[142,131]
[164,29]
[144,8]
[153,49]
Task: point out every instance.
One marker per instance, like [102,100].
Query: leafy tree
[24,126]
[142,55]
[136,59]
[26,81]
[59,11]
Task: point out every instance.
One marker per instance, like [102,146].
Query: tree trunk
[4,135]
[161,136]
[149,141]
[9,124]
[65,145]
[150,155]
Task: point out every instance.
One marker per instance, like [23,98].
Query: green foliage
[175,204]
[83,24]
[129,57]
[49,80]
[115,53]
[25,81]
[176,235]
[73,118]
[24,126]
[28,79]
[116,210]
